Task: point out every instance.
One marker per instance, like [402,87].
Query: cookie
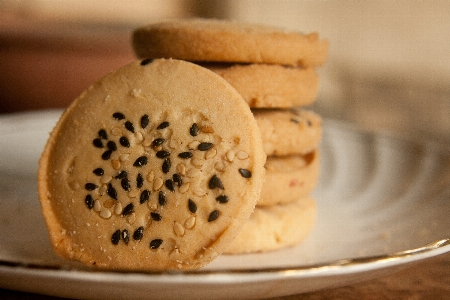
[270,86]
[288,132]
[289,178]
[227,41]
[133,175]
[275,227]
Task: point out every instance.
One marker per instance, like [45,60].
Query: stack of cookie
[274,71]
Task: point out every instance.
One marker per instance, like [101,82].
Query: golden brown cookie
[288,132]
[227,41]
[275,227]
[270,86]
[133,175]
[289,178]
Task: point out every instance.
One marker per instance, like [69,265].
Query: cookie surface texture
[289,178]
[270,86]
[288,132]
[275,227]
[133,175]
[228,41]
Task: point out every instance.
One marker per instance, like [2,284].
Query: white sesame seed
[190,222]
[210,153]
[105,214]
[105,178]
[139,136]
[116,164]
[97,206]
[184,188]
[181,168]
[207,129]
[242,155]
[124,157]
[230,155]
[118,209]
[178,229]
[157,184]
[133,193]
[116,131]
[150,176]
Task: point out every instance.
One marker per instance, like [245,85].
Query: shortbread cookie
[134,174]
[227,41]
[289,178]
[275,227]
[288,132]
[270,86]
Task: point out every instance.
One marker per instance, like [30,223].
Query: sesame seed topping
[118,208]
[163,125]
[242,155]
[111,146]
[166,165]
[116,131]
[170,185]
[185,155]
[294,121]
[121,175]
[145,195]
[157,183]
[213,215]
[106,155]
[154,244]
[139,180]
[183,189]
[102,134]
[98,143]
[204,146]
[215,182]
[124,142]
[245,173]
[194,129]
[162,154]
[222,199]
[125,183]
[146,61]
[190,222]
[129,126]
[125,236]
[144,121]
[89,201]
[111,191]
[105,178]
[157,142]
[99,171]
[105,214]
[207,129]
[192,206]
[115,164]
[115,238]
[128,209]
[90,186]
[141,161]
[162,198]
[155,216]
[178,229]
[118,116]
[177,179]
[138,233]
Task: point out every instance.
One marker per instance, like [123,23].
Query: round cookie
[133,175]
[227,41]
[289,178]
[270,86]
[275,227]
[288,132]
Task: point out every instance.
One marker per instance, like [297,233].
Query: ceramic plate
[383,204]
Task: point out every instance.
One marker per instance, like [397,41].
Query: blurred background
[388,66]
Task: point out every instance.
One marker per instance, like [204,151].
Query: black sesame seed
[156,216]
[106,155]
[215,182]
[111,191]
[185,155]
[146,61]
[139,180]
[157,142]
[245,173]
[125,236]
[115,238]
[163,125]
[102,133]
[124,142]
[138,233]
[204,146]
[90,186]
[125,183]
[129,126]
[97,143]
[118,116]
[154,244]
[121,175]
[99,171]
[162,198]
[145,195]
[222,199]
[213,215]
[177,179]
[89,201]
[192,206]
[141,161]
[194,129]
[162,154]
[111,146]
[144,121]
[128,209]
[166,165]
[170,185]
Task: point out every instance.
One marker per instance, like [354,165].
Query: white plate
[383,203]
